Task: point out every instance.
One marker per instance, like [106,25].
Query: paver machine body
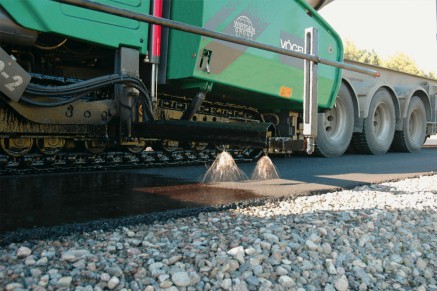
[75,79]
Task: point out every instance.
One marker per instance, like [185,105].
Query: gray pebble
[23,252]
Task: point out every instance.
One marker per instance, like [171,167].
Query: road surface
[59,199]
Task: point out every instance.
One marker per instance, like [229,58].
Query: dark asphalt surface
[36,201]
[300,174]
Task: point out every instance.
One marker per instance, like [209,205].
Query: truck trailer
[103,84]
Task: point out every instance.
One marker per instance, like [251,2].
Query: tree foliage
[400,61]
[352,52]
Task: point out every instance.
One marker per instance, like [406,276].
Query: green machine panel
[84,24]
[258,78]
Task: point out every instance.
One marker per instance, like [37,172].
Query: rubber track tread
[399,142]
[74,162]
[359,143]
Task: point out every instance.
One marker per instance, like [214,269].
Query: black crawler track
[81,161]
[78,159]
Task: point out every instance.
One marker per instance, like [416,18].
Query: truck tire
[411,138]
[379,126]
[335,126]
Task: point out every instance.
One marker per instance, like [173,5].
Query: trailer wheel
[411,138]
[379,126]
[335,126]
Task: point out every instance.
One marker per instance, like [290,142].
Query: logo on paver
[244,28]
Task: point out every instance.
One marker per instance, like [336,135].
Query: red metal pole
[155,52]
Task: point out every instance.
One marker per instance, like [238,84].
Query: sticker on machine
[244,28]
[285,91]
[293,43]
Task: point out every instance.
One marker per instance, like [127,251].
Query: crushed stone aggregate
[371,237]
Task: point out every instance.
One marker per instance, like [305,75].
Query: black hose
[92,84]
[29,101]
[98,82]
[75,91]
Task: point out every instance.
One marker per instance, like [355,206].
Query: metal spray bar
[217,35]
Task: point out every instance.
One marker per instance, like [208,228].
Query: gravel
[370,237]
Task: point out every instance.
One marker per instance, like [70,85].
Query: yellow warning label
[285,91]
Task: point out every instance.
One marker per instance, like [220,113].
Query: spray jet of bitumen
[265,170]
[224,169]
